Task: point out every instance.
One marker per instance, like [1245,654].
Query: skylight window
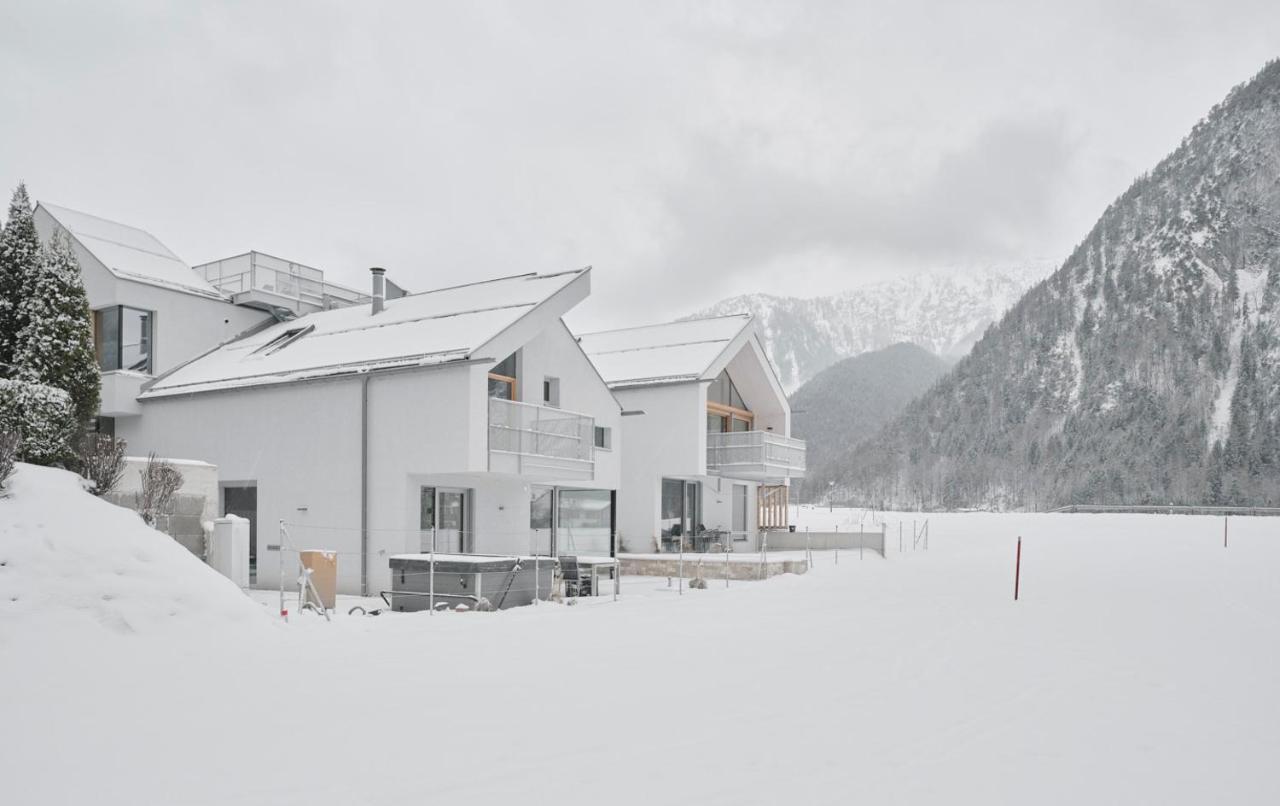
[284,340]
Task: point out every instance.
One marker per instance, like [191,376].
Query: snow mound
[69,559]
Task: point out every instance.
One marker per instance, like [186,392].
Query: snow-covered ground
[1139,667]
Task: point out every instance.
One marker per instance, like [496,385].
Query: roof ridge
[528,274]
[668,324]
[169,256]
[660,346]
[110,221]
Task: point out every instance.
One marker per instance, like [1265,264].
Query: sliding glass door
[444,523]
[680,512]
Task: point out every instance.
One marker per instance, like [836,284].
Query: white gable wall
[186,325]
[555,353]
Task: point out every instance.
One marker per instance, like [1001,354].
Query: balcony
[540,442]
[262,281]
[120,390]
[760,455]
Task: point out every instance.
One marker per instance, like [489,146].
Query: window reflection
[123,338]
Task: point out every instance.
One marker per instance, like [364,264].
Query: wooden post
[1017,570]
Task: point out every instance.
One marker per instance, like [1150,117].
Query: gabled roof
[667,353]
[429,328]
[130,253]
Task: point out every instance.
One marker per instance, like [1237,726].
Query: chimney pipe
[379,288]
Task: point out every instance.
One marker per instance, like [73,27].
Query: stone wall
[822,541]
[713,567]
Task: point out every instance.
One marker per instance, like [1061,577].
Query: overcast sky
[687,151]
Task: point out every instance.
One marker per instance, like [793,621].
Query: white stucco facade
[343,461]
[661,376]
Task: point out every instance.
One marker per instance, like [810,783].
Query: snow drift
[69,560]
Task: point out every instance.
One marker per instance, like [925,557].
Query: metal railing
[756,452]
[258,272]
[541,438]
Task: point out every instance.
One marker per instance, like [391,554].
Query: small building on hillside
[709,454]
[465,419]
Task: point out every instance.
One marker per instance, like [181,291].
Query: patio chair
[577,581]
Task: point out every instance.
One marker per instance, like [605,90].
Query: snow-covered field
[1141,666]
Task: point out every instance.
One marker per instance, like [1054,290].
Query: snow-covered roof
[667,353]
[130,253]
[429,328]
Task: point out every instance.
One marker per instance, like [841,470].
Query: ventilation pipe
[379,288]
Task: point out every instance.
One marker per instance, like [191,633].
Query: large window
[726,410]
[680,504]
[502,379]
[584,522]
[124,339]
[571,521]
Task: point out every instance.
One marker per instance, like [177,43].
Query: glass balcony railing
[540,441]
[755,455]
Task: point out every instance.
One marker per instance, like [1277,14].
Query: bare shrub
[9,442]
[160,480]
[102,461]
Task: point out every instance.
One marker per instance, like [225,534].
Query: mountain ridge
[944,312]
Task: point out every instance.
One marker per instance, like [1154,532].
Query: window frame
[510,381]
[98,315]
[605,444]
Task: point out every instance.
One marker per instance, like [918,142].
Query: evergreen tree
[19,262]
[55,346]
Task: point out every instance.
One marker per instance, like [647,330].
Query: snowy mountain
[1145,370]
[944,312]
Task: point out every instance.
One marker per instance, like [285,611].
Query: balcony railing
[257,277]
[760,455]
[540,441]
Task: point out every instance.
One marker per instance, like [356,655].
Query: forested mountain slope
[843,403]
[1144,370]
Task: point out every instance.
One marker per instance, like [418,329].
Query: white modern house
[709,456]
[464,419]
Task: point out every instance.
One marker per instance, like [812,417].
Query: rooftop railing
[256,272]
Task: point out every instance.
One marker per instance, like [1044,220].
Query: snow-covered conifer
[55,345]
[19,261]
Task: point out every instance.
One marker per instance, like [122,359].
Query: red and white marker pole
[1017,570]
